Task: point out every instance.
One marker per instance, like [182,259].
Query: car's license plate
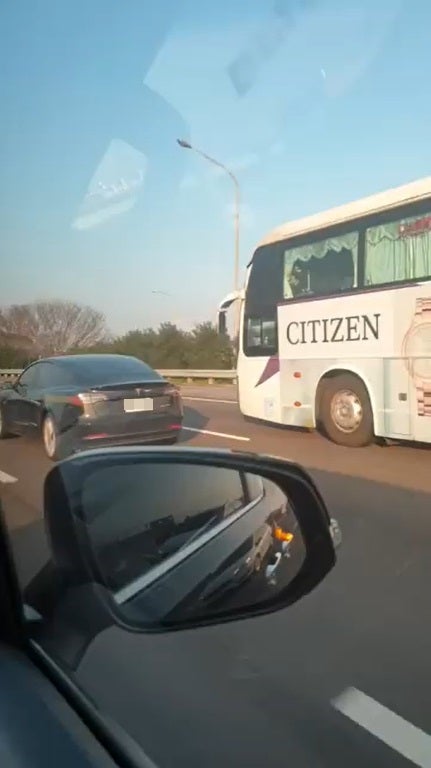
[139,404]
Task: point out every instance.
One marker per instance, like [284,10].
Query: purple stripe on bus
[271,368]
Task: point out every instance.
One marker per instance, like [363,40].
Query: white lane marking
[217,434]
[210,400]
[5,478]
[403,737]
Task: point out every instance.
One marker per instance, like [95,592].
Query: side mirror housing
[221,323]
[158,539]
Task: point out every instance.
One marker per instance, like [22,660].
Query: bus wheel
[345,411]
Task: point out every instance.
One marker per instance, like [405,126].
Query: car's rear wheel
[51,439]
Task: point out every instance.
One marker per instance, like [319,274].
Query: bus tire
[345,411]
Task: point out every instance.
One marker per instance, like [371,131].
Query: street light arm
[186,145]
[237,205]
[219,165]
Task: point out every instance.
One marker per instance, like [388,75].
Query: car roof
[90,358]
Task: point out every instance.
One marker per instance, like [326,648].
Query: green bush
[171,347]
[164,348]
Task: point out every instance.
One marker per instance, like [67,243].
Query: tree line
[42,329]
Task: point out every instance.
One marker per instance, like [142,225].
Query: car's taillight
[74,400]
[91,398]
[171,390]
[175,395]
[85,399]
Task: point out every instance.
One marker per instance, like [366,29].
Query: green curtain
[319,251]
[391,257]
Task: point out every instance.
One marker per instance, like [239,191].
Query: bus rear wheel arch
[344,411]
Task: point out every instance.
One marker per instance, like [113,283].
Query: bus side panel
[362,333]
[413,315]
[259,387]
[392,418]
[300,380]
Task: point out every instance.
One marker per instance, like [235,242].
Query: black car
[79,401]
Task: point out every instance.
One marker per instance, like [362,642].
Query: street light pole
[186,145]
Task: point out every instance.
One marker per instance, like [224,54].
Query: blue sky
[312,103]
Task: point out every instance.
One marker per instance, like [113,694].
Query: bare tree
[53,327]
[14,340]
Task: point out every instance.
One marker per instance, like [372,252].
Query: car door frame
[14,635]
[24,406]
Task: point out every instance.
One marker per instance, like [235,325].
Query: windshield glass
[101,369]
[156,157]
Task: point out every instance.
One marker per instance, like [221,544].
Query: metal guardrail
[8,374]
[191,375]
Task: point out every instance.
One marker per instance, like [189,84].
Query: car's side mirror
[221,324]
[166,539]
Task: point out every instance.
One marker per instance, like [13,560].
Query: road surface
[289,688]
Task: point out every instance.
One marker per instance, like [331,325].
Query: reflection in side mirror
[174,542]
[158,539]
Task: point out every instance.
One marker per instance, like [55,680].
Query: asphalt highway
[342,678]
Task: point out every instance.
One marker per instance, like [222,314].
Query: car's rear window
[110,370]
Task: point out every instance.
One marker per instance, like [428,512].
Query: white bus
[335,321]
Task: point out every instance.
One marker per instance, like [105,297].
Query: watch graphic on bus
[417,352]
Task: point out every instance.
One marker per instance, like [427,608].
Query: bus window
[261,334]
[264,292]
[398,251]
[321,268]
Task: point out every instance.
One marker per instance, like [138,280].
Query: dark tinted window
[101,370]
[242,551]
[54,375]
[141,514]
[29,377]
[264,292]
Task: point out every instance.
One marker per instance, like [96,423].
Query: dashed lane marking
[5,478]
[403,737]
[217,434]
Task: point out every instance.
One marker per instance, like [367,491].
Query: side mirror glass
[176,537]
[177,542]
